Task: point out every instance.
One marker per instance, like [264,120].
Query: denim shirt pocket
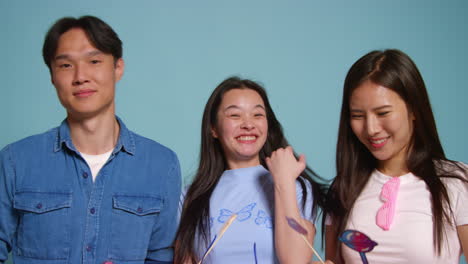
[44,224]
[133,218]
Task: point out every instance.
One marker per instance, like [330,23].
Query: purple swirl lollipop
[358,241]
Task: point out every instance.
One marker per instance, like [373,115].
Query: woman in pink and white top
[396,197]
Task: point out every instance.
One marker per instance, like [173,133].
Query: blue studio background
[176,52]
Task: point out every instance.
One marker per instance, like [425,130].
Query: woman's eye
[95,61]
[259,115]
[355,116]
[383,113]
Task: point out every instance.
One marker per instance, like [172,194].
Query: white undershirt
[96,162]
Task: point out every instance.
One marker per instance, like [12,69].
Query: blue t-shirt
[52,212]
[249,193]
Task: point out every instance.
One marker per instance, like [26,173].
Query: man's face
[84,76]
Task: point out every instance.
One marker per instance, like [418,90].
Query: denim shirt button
[140,210]
[39,206]
[92,210]
[85,175]
[89,248]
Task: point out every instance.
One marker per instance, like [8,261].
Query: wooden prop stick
[218,237]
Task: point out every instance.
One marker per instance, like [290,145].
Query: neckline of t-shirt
[246,174]
[92,156]
[405,178]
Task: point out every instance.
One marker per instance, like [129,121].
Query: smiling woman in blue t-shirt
[241,137]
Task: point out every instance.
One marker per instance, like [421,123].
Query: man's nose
[80,76]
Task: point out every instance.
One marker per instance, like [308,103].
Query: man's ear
[51,76]
[119,69]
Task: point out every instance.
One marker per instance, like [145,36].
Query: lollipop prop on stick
[218,236]
[358,241]
[303,232]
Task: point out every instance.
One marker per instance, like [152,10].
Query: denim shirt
[52,212]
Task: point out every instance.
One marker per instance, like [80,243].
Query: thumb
[302,160]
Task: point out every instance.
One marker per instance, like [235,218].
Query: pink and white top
[405,236]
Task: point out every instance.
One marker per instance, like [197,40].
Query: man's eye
[95,61]
[64,65]
[234,115]
[383,113]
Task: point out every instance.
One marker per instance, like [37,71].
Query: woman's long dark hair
[195,214]
[394,70]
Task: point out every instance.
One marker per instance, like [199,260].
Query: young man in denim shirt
[90,190]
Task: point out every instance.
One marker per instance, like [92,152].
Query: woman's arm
[330,243]
[290,246]
[463,236]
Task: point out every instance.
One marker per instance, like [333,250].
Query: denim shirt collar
[126,141]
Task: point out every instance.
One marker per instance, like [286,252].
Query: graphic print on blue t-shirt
[248,192]
[255,252]
[244,214]
[264,219]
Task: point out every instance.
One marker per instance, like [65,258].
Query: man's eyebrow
[88,54]
[61,57]
[94,52]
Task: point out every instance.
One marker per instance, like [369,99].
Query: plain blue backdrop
[176,52]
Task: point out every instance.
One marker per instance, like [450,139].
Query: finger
[274,153]
[268,162]
[302,159]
